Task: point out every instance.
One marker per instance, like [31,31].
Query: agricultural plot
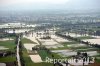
[7,50]
[59,47]
[93,41]
[32,59]
[50,43]
[59,39]
[8,44]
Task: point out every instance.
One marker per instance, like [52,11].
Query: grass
[91,49]
[43,54]
[56,56]
[8,59]
[65,46]
[60,48]
[98,60]
[43,64]
[75,48]
[29,62]
[85,37]
[97,57]
[11,45]
[26,58]
[65,43]
[25,40]
[8,44]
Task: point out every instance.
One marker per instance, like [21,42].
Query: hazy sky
[48,4]
[9,2]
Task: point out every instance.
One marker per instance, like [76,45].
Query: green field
[25,40]
[8,44]
[43,53]
[11,45]
[27,59]
[8,59]
[72,42]
[85,37]
[25,56]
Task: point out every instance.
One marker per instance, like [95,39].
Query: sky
[9,2]
[48,4]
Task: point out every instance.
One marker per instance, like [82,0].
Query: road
[18,56]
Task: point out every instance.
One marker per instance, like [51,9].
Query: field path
[18,56]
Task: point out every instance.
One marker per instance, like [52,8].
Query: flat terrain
[10,44]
